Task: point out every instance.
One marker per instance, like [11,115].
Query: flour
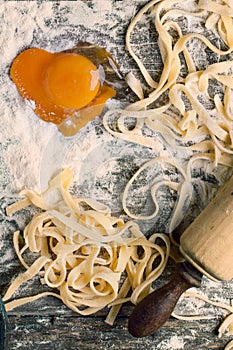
[175,342]
[34,150]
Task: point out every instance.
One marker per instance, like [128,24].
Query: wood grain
[47,324]
[72,332]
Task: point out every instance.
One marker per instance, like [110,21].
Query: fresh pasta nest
[90,258]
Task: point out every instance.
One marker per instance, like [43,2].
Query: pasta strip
[201,123]
[87,266]
[195,128]
[226,325]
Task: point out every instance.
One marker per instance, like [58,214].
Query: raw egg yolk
[71,80]
[62,85]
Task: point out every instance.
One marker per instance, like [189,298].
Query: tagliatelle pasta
[189,107]
[229,346]
[90,259]
[195,119]
[87,257]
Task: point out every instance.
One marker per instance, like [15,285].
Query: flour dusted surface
[31,151]
[34,150]
[53,26]
[175,342]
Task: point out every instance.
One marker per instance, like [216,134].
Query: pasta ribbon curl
[181,105]
[226,326]
[90,258]
[188,109]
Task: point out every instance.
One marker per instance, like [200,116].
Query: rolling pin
[207,246]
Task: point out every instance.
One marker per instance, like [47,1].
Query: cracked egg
[68,88]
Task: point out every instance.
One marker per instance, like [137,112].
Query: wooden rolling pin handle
[155,309]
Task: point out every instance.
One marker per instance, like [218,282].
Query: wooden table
[47,324]
[47,332]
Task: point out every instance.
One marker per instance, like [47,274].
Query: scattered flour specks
[31,150]
[175,342]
